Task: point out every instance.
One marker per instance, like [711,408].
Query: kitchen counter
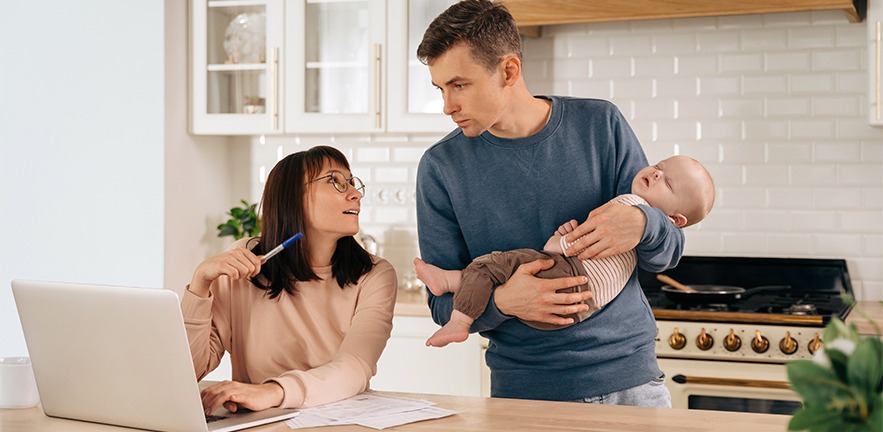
[873,311]
[411,303]
[477,414]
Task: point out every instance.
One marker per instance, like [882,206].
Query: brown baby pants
[487,271]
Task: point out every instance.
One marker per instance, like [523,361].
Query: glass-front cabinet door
[415,105]
[336,65]
[237,69]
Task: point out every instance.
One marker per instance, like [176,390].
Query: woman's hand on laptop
[237,263]
[234,395]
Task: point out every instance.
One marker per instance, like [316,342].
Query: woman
[307,327]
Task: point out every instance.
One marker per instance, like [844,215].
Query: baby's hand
[567,227]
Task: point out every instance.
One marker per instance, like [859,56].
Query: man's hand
[534,299]
[234,395]
[610,230]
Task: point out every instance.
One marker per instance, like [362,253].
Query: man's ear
[678,219]
[511,69]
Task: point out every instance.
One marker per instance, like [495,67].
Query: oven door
[729,386]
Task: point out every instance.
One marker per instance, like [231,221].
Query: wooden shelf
[530,13]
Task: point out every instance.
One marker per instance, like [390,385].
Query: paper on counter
[370,410]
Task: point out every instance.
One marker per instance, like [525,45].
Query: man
[495,184]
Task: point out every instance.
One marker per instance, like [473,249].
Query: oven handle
[730,382]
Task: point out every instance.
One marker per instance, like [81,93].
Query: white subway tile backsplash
[743,197]
[872,245]
[861,221]
[744,153]
[698,66]
[797,19]
[718,41]
[872,152]
[744,243]
[813,175]
[837,106]
[774,105]
[741,107]
[795,245]
[859,175]
[837,244]
[765,85]
[836,198]
[791,198]
[786,61]
[741,62]
[371,154]
[813,221]
[611,67]
[766,175]
[872,198]
[790,152]
[812,37]
[772,39]
[632,45]
[788,106]
[812,129]
[811,84]
[674,44]
[837,60]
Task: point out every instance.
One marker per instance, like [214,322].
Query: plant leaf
[814,383]
[815,419]
[865,368]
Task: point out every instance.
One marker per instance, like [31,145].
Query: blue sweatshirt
[483,194]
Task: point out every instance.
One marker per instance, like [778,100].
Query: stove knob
[704,341]
[732,342]
[788,345]
[815,344]
[760,343]
[677,340]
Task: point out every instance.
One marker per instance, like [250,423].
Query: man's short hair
[486,27]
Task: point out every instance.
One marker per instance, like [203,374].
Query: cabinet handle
[730,382]
[879,75]
[378,53]
[275,89]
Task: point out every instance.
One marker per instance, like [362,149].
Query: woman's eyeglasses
[341,183]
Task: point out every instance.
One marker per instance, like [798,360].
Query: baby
[679,186]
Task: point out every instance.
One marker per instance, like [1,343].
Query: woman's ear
[678,219]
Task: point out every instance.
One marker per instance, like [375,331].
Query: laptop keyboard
[213,418]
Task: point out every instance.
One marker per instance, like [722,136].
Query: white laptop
[118,355]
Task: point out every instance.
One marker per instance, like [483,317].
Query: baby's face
[670,185]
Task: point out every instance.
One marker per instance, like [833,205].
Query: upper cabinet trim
[550,12]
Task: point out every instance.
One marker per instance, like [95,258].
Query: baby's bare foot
[438,280]
[456,330]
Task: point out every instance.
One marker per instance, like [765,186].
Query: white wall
[81,146]
[774,105]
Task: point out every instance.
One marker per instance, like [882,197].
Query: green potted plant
[243,222]
[842,387]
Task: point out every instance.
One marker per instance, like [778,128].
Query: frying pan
[705,294]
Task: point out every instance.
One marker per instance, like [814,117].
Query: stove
[730,354]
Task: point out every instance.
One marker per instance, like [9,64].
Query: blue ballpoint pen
[279,248]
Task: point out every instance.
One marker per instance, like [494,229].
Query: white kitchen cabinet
[875,60]
[408,365]
[352,67]
[329,66]
[235,83]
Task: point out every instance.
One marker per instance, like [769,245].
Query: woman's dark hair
[282,214]
[486,27]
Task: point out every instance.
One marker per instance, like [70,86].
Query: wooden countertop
[412,303]
[477,414]
[865,311]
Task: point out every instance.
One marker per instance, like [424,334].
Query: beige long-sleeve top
[320,344]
